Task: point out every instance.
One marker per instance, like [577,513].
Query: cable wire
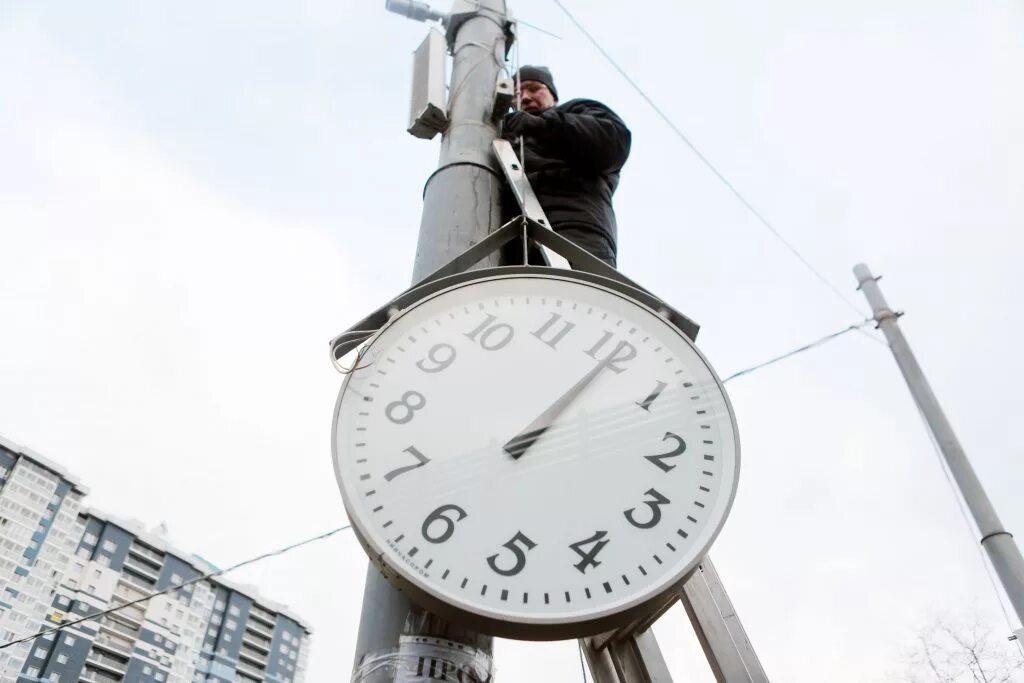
[707,162]
[177,586]
[805,347]
[328,534]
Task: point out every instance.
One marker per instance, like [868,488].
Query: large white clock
[534,455]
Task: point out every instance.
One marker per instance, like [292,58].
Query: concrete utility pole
[996,540]
[461,205]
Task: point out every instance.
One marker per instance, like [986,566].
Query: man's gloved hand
[522,123]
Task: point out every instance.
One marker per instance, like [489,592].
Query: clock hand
[519,443]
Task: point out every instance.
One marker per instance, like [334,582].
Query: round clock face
[535,456]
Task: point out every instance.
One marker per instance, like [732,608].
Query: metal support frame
[631,654]
[718,628]
[586,267]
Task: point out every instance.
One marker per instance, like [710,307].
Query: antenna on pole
[413,9]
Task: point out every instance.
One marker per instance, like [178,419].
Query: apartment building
[85,561]
[39,532]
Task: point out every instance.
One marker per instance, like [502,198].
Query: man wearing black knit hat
[573,154]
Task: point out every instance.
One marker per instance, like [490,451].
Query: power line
[328,534]
[805,347]
[707,162]
[178,586]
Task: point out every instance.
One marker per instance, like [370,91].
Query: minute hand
[519,443]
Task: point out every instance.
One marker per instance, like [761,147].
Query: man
[573,154]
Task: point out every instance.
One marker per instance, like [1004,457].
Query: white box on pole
[428,114]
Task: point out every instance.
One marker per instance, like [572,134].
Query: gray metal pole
[997,541]
[461,202]
[461,205]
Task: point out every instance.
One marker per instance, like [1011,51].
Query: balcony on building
[109,663]
[147,554]
[246,672]
[94,675]
[256,641]
[134,566]
[118,644]
[253,626]
[119,628]
[249,655]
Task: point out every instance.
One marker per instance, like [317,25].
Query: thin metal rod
[996,540]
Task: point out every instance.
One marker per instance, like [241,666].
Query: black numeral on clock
[654,505]
[520,539]
[623,351]
[653,396]
[402,410]
[442,516]
[559,332]
[597,542]
[421,460]
[439,357]
[675,452]
[490,335]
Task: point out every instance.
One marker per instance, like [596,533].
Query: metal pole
[721,635]
[461,201]
[461,205]
[997,541]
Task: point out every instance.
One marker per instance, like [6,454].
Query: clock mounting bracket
[586,268]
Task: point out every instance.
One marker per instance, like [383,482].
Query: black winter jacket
[573,163]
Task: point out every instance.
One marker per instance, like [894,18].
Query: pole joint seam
[1001,532]
[452,165]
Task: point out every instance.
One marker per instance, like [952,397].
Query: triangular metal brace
[586,267]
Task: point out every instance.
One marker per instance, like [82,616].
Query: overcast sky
[196,196]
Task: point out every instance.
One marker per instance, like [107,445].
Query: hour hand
[519,443]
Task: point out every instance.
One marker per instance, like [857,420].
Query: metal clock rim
[376,321]
[540,629]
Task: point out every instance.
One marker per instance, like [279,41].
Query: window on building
[32,671]
[234,611]
[231,624]
[109,546]
[41,652]
[54,677]
[62,658]
[89,539]
[148,670]
[176,579]
[97,573]
[103,560]
[69,640]
[227,637]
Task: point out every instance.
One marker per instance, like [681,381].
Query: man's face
[536,97]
